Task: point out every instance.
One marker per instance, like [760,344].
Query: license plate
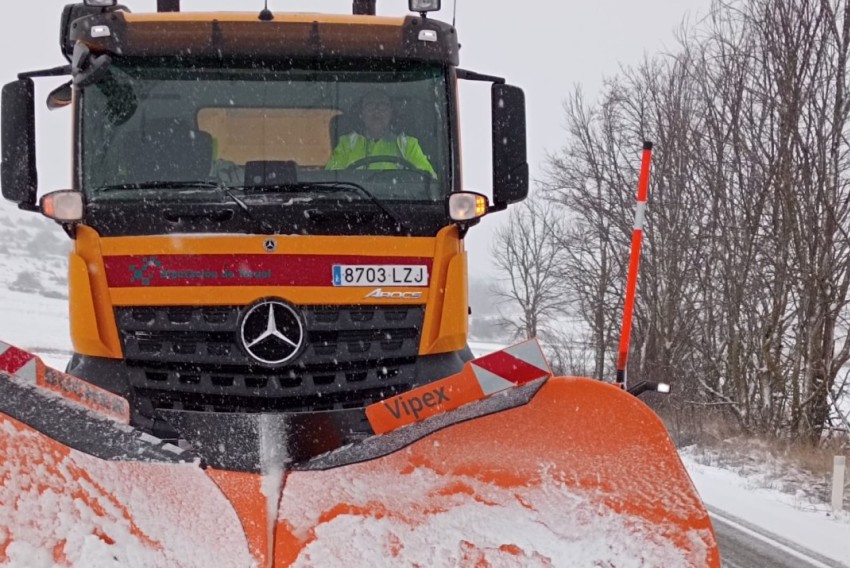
[380,274]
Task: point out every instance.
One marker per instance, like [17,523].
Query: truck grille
[189,358]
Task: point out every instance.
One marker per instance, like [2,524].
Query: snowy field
[33,315]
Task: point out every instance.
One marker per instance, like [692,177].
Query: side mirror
[18,175]
[510,162]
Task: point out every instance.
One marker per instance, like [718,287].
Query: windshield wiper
[159,185]
[244,206]
[330,187]
[200,184]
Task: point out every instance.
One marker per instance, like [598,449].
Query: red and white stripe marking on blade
[24,366]
[20,364]
[511,367]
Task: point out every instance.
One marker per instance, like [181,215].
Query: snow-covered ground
[33,285]
[810,525]
[33,315]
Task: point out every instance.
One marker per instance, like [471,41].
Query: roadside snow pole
[634,263]
[838,484]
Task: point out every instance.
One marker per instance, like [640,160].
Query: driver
[378,140]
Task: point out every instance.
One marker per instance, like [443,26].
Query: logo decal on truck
[380,294]
[414,405]
[271,332]
[145,271]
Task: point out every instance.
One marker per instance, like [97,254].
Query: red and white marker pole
[634,263]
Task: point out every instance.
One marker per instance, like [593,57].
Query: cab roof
[287,36]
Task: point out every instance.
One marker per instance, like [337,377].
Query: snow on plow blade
[552,472]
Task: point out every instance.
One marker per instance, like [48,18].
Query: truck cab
[226,256]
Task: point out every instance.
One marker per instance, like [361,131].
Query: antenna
[266,14]
[454,13]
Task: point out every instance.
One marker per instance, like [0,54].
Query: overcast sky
[544,47]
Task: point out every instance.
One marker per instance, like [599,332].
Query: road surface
[744,545]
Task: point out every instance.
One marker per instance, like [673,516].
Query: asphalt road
[743,545]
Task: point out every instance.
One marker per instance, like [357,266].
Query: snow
[813,527]
[37,324]
[33,285]
[429,519]
[72,509]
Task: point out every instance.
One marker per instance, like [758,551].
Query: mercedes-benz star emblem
[270,245]
[271,332]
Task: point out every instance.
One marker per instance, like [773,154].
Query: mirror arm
[474,76]
[648,386]
[70,229]
[464,226]
[86,68]
[52,72]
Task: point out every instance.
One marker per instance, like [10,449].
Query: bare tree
[581,178]
[743,291]
[528,259]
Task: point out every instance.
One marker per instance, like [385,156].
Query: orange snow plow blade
[557,471]
[558,481]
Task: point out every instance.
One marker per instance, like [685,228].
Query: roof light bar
[100,3]
[423,6]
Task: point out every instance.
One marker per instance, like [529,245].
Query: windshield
[163,130]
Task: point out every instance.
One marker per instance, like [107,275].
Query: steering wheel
[405,164]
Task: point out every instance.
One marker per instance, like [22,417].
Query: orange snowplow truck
[268,307]
[204,213]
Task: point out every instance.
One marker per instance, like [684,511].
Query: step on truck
[268,308]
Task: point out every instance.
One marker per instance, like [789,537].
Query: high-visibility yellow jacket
[354,146]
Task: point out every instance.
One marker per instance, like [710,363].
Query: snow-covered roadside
[33,285]
[814,527]
[37,324]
